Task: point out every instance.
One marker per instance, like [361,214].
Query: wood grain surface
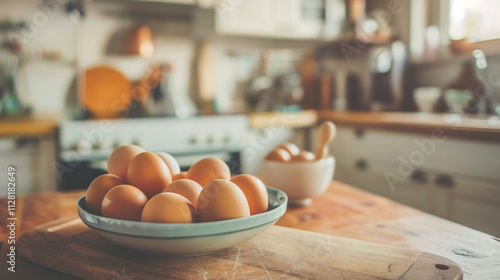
[301,119]
[341,211]
[67,245]
[36,125]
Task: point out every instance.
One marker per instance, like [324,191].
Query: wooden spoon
[326,133]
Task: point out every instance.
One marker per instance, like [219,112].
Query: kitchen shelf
[334,46]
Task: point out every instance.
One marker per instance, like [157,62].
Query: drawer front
[443,154]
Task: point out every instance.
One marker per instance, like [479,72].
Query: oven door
[79,174]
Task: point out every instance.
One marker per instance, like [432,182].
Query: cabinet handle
[419,176]
[444,181]
[361,164]
[359,132]
[27,143]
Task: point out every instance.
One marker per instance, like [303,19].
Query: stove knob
[210,139]
[193,140]
[120,142]
[227,138]
[83,147]
[140,141]
[103,145]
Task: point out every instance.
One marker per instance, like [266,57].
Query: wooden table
[342,211]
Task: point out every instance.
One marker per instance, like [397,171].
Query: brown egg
[255,191]
[149,173]
[171,163]
[182,175]
[120,159]
[124,202]
[208,169]
[222,200]
[279,154]
[168,208]
[303,156]
[187,188]
[98,189]
[291,148]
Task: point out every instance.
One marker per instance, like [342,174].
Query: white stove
[84,146]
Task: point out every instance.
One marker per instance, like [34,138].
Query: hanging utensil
[76,14]
[9,62]
[139,41]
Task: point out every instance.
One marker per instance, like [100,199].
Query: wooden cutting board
[67,245]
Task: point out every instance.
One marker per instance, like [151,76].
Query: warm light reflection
[146,49]
[474,20]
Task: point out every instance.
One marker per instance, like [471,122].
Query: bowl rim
[277,200]
[321,161]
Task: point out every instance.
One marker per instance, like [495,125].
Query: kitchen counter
[306,118]
[29,125]
[487,128]
[469,126]
[342,210]
[46,125]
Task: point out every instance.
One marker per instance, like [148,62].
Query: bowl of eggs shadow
[180,239]
[301,177]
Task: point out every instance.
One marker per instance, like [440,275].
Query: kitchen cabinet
[476,204]
[447,176]
[27,142]
[291,19]
[33,159]
[184,2]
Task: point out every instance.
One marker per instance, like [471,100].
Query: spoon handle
[326,133]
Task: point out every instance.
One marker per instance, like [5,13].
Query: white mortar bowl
[299,180]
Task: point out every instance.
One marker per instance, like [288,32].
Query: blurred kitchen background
[235,78]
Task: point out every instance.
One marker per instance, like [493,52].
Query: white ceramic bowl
[299,180]
[426,98]
[185,239]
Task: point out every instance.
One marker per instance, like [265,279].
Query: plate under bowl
[185,239]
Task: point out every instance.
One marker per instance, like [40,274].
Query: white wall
[176,30]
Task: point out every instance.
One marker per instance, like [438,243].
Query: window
[474,20]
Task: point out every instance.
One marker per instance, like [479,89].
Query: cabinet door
[371,175]
[33,160]
[257,17]
[477,214]
[448,155]
[476,205]
[297,19]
